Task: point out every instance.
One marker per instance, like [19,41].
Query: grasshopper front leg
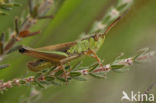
[93,54]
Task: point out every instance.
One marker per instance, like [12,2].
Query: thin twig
[51,76]
[26,25]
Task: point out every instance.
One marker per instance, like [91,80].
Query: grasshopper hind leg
[38,65]
[65,74]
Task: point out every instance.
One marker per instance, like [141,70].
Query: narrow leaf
[117,66]
[75,74]
[93,67]
[3,66]
[96,76]
[80,78]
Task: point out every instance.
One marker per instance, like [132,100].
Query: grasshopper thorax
[93,42]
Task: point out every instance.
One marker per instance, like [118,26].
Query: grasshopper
[60,54]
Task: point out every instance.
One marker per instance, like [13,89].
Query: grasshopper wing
[53,56]
[58,47]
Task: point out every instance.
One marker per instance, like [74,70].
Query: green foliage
[6,5]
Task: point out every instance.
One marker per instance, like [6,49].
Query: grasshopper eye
[22,50]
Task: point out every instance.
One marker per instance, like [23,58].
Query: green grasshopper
[60,54]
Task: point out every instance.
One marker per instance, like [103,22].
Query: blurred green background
[136,30]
